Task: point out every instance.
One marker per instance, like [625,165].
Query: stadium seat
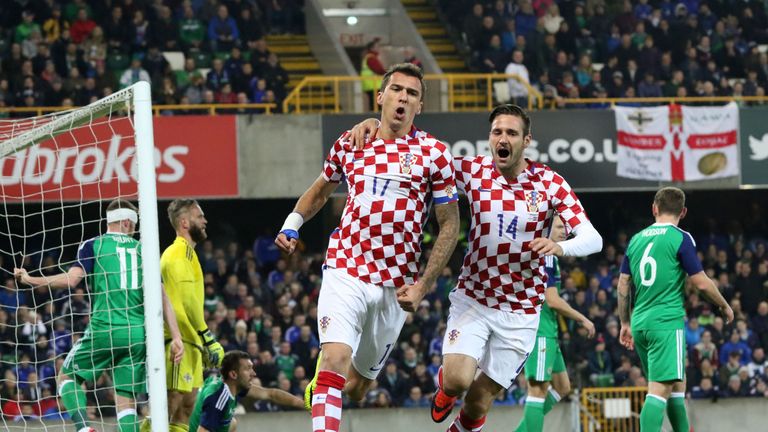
[175,59]
[501,91]
[202,60]
[118,62]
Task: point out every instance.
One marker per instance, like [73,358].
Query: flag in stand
[677,143]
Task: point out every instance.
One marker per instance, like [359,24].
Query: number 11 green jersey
[658,259]
[112,264]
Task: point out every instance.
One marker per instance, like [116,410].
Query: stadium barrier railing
[456,93]
[611,409]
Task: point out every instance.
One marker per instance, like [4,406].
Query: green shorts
[545,359]
[662,353]
[122,351]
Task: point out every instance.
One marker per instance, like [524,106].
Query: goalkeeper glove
[213,351]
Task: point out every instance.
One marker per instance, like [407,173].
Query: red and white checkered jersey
[391,186]
[500,270]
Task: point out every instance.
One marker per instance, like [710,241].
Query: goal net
[58,174]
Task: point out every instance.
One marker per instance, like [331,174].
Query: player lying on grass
[217,399]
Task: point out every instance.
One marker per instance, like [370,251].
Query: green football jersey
[658,259]
[214,407]
[112,264]
[548,318]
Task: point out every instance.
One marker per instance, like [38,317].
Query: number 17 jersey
[391,186]
[658,259]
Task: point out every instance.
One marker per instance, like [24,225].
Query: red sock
[326,402]
[469,424]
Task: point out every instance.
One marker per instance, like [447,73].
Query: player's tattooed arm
[315,198]
[625,334]
[448,220]
[409,296]
[623,297]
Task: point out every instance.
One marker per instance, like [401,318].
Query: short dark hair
[121,203]
[670,200]
[231,362]
[405,69]
[177,207]
[513,110]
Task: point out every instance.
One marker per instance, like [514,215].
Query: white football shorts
[500,341]
[364,316]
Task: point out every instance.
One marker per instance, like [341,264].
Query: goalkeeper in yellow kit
[183,280]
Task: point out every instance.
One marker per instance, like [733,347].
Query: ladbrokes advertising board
[195,156]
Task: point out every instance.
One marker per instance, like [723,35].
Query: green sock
[678,417]
[178,427]
[533,415]
[127,421]
[652,415]
[73,398]
[552,399]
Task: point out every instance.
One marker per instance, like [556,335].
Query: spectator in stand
[27,26]
[234,64]
[217,76]
[223,33]
[759,365]
[140,31]
[54,25]
[134,74]
[250,28]
[735,345]
[705,349]
[371,70]
[260,56]
[118,32]
[693,332]
[166,32]
[416,399]
[82,27]
[494,59]
[705,390]
[525,19]
[473,24]
[191,29]
[759,324]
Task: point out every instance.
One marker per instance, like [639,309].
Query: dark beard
[197,234]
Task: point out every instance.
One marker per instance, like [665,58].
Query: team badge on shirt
[406,160]
[453,336]
[188,377]
[324,322]
[449,191]
[533,199]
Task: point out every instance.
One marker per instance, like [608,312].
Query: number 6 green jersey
[112,264]
[658,259]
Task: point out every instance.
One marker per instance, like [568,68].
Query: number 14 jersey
[500,270]
[391,186]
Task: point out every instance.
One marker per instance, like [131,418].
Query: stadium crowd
[258,301]
[71,53]
[599,49]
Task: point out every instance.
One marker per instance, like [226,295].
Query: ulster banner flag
[677,143]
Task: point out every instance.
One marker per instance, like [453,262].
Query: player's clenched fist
[544,246]
[286,242]
[409,296]
[625,337]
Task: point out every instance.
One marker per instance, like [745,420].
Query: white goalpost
[58,173]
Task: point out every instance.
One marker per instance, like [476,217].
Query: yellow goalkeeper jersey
[183,281]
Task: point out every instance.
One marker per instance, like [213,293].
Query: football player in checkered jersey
[372,262]
[495,307]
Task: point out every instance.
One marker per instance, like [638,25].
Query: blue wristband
[290,234]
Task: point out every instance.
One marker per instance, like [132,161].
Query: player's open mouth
[503,152]
[400,113]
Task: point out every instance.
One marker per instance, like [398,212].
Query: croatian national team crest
[449,191]
[324,322]
[453,336]
[406,160]
[533,199]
